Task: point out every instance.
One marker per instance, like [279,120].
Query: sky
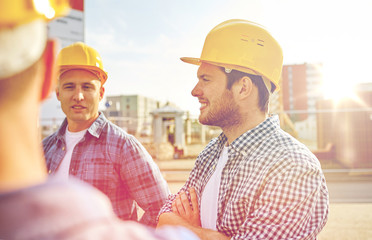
[141,41]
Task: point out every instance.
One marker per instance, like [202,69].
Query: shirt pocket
[100,172]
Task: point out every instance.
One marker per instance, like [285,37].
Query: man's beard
[225,112]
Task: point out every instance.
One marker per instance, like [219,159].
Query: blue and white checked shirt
[117,164]
[272,186]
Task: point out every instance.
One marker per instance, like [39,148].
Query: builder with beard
[254,181]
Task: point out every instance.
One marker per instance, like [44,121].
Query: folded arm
[186,213]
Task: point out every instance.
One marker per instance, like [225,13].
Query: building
[302,88]
[131,112]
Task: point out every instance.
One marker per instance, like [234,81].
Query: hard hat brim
[198,61]
[195,61]
[101,74]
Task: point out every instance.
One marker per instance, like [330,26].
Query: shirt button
[50,171]
[63,148]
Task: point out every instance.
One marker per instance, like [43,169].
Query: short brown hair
[263,93]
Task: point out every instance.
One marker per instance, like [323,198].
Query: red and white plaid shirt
[272,186]
[117,164]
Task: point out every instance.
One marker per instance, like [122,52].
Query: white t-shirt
[71,138]
[209,198]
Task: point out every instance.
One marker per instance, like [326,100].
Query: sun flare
[337,84]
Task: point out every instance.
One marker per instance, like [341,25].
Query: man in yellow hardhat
[33,206]
[95,150]
[254,181]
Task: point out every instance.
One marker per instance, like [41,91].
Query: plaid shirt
[115,163]
[272,186]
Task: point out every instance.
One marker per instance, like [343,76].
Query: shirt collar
[249,140]
[95,129]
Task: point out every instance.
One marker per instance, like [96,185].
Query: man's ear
[49,61]
[101,92]
[57,93]
[245,87]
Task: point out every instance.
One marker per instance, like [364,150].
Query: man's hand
[186,213]
[189,211]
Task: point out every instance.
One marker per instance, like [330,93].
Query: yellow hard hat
[15,12]
[244,46]
[80,56]
[23,31]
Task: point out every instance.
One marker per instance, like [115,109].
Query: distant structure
[70,28]
[302,88]
[168,126]
[132,113]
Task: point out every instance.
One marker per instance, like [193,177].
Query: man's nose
[78,94]
[196,91]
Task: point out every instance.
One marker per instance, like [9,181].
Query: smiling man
[93,149]
[254,181]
